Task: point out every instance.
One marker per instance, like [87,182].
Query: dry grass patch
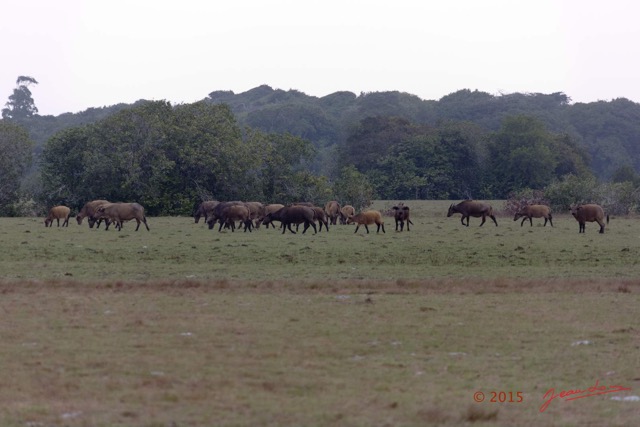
[312,353]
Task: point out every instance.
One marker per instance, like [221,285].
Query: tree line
[277,146]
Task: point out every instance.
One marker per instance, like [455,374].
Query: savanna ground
[183,326]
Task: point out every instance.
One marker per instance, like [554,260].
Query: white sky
[98,53]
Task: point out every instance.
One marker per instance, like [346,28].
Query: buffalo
[58,213]
[217,212]
[274,207]
[256,210]
[292,215]
[89,211]
[472,208]
[589,213]
[401,214]
[229,215]
[204,210]
[345,212]
[320,216]
[367,218]
[332,209]
[120,212]
[534,211]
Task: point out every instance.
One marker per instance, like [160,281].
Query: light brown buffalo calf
[367,218]
[58,213]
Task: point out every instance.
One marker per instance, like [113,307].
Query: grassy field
[183,326]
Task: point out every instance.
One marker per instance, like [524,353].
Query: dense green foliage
[16,149]
[282,146]
[169,158]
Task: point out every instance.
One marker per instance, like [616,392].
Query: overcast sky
[98,53]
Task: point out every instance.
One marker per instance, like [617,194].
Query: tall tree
[21,104]
[16,148]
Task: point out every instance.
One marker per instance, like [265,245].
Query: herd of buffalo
[254,214]
[583,213]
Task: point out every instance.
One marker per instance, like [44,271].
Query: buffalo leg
[496,222]
[483,220]
[531,221]
[366,227]
[312,224]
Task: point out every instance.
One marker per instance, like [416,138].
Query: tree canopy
[21,104]
[169,158]
[280,146]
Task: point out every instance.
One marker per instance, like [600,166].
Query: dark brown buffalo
[292,215]
[89,211]
[534,211]
[332,210]
[320,216]
[401,214]
[216,213]
[120,212]
[274,207]
[472,208]
[229,215]
[589,213]
[204,210]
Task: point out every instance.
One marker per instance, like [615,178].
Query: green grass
[437,246]
[187,326]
